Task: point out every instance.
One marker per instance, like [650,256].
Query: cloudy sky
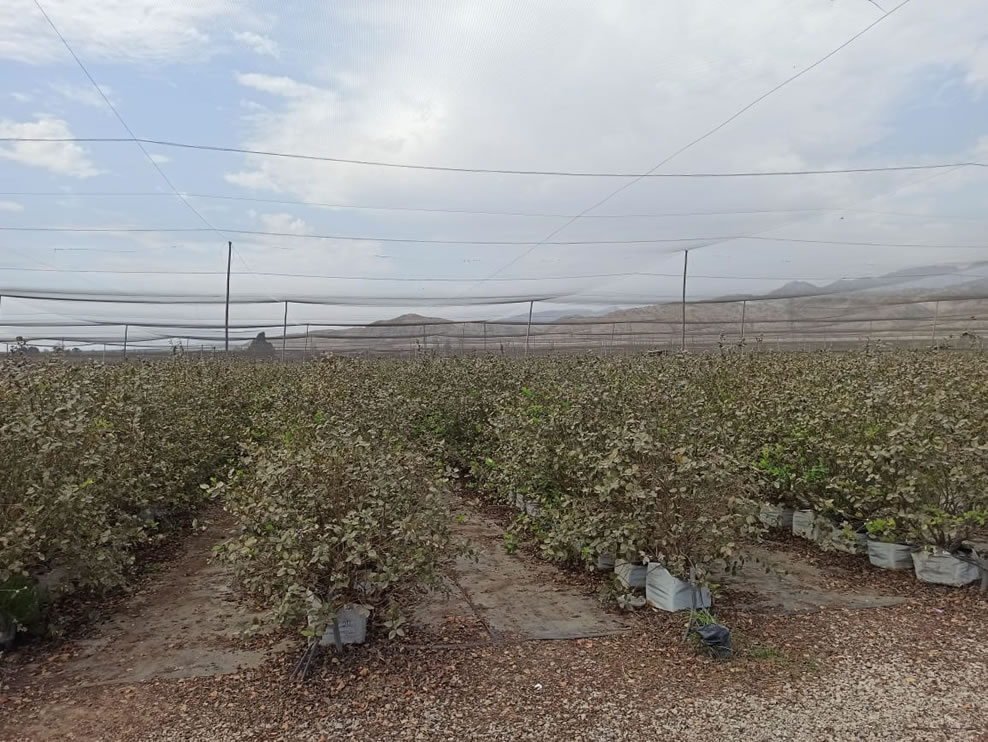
[575,86]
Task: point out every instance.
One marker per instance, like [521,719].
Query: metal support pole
[686,259]
[226,319]
[305,348]
[284,333]
[126,328]
[936,317]
[744,307]
[528,330]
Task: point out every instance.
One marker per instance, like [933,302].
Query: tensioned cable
[123,123]
[414,240]
[696,141]
[478,212]
[404,279]
[495,171]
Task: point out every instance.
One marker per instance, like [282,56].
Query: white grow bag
[775,516]
[941,568]
[890,556]
[854,542]
[804,524]
[668,593]
[630,574]
[352,622]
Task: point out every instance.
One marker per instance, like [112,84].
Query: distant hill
[901,305]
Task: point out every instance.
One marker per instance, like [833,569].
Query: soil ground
[828,648]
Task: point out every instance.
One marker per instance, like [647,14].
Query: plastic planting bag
[774,516]
[890,556]
[804,524]
[631,574]
[668,593]
[351,621]
[942,568]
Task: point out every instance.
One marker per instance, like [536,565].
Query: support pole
[528,330]
[284,333]
[686,259]
[744,307]
[126,328]
[936,317]
[485,336]
[226,319]
[305,348]
[104,353]
[613,327]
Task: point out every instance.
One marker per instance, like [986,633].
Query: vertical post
[686,259]
[284,333]
[613,327]
[305,348]
[126,328]
[463,338]
[936,317]
[744,307]
[104,352]
[528,329]
[226,319]
[425,340]
[485,336]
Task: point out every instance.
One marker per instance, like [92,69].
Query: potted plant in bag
[946,557]
[886,547]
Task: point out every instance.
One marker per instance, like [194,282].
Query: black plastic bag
[717,639]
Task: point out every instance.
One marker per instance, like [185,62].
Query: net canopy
[379,175]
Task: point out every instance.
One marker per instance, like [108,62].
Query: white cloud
[62,158]
[615,86]
[115,30]
[276,85]
[84,94]
[159,158]
[977,74]
[286,223]
[22,97]
[258,44]
[11,206]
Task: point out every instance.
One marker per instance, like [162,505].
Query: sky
[577,86]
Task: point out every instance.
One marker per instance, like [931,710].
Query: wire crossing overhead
[497,171]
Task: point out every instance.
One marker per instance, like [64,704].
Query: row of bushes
[340,489]
[96,462]
[663,458]
[334,507]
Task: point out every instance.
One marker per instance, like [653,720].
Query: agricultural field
[378,489]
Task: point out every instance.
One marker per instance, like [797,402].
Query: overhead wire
[498,171]
[123,123]
[697,140]
[423,241]
[479,212]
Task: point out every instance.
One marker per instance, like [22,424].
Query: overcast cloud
[613,86]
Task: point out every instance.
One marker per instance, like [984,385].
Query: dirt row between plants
[477,663]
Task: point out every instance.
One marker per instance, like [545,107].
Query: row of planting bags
[663,590]
[930,564]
